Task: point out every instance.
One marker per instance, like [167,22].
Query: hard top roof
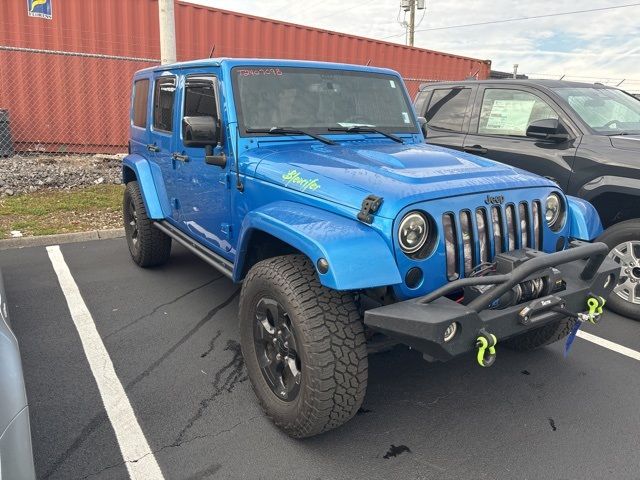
[265,62]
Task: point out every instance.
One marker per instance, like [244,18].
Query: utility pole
[411,6]
[167,31]
[412,21]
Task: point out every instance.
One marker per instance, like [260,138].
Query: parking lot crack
[225,380]
[166,304]
[210,314]
[176,444]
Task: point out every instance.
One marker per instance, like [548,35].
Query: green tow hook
[486,341]
[595,305]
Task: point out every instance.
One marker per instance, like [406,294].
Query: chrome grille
[475,238]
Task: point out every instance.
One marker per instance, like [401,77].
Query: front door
[203,190]
[498,131]
[162,136]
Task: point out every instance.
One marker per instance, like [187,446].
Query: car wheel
[148,246]
[541,336]
[304,346]
[623,239]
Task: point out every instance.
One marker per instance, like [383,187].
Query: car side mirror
[547,129]
[200,131]
[423,125]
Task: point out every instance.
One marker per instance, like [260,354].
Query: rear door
[447,111]
[501,115]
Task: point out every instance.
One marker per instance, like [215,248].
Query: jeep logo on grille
[494,199]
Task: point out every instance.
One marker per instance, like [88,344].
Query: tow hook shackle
[595,304]
[486,341]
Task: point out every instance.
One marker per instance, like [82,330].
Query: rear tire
[540,336]
[618,237]
[148,246]
[318,381]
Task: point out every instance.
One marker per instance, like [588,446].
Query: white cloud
[604,45]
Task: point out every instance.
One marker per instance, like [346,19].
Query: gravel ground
[26,174]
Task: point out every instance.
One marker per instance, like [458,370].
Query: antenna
[213,49]
[368,63]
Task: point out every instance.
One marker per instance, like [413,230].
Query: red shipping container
[67,103]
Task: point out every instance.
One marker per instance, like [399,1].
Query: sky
[604,45]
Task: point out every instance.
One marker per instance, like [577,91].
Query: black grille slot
[451,245]
[475,238]
[537,225]
[483,235]
[525,225]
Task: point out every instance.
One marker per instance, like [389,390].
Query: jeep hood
[401,174]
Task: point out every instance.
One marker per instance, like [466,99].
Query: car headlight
[413,232]
[554,211]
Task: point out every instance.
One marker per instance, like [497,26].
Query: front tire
[623,240]
[304,346]
[148,246]
[541,336]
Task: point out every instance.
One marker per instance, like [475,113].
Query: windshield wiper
[365,129]
[289,131]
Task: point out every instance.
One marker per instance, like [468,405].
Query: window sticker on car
[392,83]
[293,176]
[254,72]
[405,117]
[510,114]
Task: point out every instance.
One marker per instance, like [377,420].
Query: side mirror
[423,125]
[547,129]
[200,131]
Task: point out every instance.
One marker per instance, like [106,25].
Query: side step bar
[213,259]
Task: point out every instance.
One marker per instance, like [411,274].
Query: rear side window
[140,99]
[163,100]
[447,108]
[510,112]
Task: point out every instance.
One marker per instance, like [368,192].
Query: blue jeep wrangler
[310,184]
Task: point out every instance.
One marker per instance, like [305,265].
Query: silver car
[16,457]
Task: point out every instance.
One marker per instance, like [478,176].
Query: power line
[519,19]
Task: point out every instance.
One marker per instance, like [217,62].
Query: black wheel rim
[276,349]
[132,224]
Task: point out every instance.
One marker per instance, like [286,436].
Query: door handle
[477,149]
[152,147]
[180,157]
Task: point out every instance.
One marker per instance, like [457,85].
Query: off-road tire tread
[154,245]
[541,336]
[333,337]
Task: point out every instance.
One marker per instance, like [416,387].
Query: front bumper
[584,270]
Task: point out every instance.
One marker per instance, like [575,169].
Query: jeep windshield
[606,110]
[320,101]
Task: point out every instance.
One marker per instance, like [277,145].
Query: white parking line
[140,461]
[616,347]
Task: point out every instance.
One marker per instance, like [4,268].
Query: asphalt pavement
[172,335]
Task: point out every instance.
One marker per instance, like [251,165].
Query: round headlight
[413,232]
[553,211]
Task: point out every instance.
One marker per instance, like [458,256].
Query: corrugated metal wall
[69,103]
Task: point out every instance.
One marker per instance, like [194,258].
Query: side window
[447,108]
[200,97]
[163,99]
[140,99]
[510,112]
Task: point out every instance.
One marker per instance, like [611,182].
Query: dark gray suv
[585,137]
